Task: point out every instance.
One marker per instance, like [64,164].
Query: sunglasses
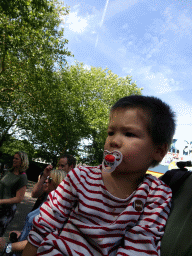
[49,179]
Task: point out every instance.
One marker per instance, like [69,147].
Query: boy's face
[127,133]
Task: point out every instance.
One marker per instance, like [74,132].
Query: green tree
[50,105]
[15,145]
[92,93]
[80,110]
[32,49]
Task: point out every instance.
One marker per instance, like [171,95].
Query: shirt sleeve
[22,181]
[145,237]
[55,211]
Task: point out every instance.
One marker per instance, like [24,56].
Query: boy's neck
[121,186]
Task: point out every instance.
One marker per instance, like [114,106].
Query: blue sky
[151,40]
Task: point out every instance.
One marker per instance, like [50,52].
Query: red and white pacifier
[111,160]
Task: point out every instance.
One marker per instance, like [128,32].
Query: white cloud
[122,51]
[87,67]
[117,6]
[178,22]
[183,117]
[184,112]
[91,23]
[125,26]
[183,131]
[159,81]
[76,23]
[80,24]
[152,45]
[185,24]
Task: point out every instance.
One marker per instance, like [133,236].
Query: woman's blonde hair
[58,176]
[24,161]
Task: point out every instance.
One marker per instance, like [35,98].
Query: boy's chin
[119,170]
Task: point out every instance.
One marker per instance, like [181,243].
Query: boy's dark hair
[70,159]
[161,119]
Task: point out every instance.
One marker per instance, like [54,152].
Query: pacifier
[111,160]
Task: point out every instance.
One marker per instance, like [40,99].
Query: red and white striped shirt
[82,218]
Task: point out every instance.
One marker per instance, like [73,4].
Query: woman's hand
[15,231]
[47,171]
[38,188]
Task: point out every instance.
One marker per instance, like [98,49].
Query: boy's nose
[115,143]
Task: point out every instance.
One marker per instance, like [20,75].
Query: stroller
[177,239]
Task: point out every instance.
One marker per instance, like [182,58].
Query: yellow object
[172,165]
[156,174]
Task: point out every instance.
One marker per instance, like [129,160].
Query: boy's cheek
[106,143]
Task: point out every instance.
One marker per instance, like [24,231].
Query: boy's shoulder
[156,182]
[87,167]
[84,170]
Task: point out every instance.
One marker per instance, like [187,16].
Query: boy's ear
[161,151]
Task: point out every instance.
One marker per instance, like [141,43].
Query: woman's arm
[17,199]
[16,247]
[38,188]
[19,246]
[30,250]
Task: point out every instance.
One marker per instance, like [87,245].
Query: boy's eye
[129,134]
[110,133]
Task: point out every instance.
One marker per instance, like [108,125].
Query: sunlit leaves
[45,102]
[91,93]
[32,47]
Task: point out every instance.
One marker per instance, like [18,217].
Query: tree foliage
[32,48]
[52,107]
[91,93]
[78,110]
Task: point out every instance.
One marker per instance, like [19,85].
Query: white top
[82,218]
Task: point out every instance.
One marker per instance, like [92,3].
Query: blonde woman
[12,189]
[51,183]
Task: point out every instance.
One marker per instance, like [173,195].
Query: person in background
[12,189]
[51,183]
[66,163]
[115,208]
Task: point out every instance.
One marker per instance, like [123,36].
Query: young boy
[115,208]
